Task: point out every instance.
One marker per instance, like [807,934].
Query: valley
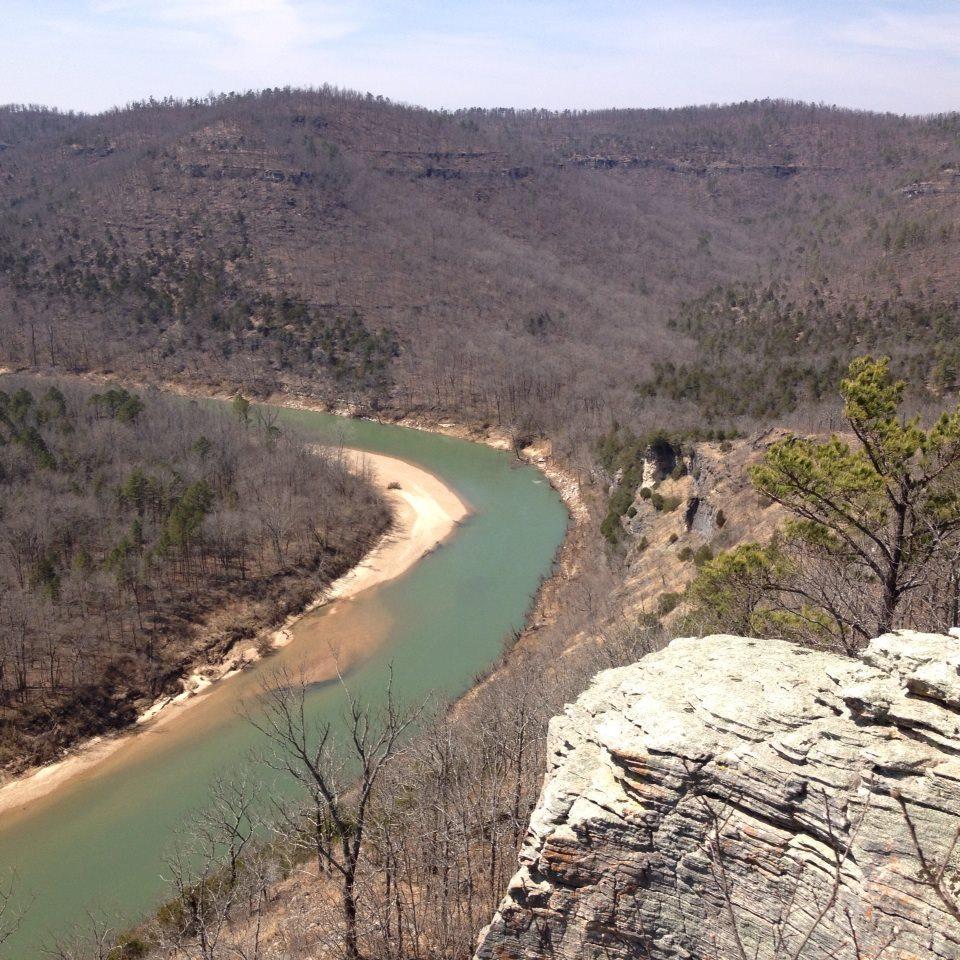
[446,620]
[435,521]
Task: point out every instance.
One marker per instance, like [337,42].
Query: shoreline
[538,455]
[425,513]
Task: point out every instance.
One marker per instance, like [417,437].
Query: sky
[893,55]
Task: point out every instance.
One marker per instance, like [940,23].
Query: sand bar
[425,511]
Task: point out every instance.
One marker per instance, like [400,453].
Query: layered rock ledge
[731,798]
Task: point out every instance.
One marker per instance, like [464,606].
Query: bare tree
[941,874]
[10,915]
[97,940]
[228,823]
[339,773]
[199,914]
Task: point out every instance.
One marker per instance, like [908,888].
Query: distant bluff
[731,798]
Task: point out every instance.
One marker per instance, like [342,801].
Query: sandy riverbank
[425,511]
[539,454]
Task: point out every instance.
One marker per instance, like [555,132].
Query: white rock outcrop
[731,798]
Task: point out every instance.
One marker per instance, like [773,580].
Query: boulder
[730,797]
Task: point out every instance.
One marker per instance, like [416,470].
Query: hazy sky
[900,55]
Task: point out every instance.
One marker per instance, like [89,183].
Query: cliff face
[731,797]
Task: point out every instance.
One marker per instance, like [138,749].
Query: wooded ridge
[544,271]
[141,533]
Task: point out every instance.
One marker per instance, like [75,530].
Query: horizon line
[213,98]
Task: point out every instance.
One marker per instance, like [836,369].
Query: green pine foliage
[762,352]
[872,533]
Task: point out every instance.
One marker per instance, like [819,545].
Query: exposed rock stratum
[730,797]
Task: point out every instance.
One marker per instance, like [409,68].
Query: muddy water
[98,842]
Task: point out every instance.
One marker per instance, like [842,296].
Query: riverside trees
[126,523]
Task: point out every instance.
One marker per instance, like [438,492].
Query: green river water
[97,843]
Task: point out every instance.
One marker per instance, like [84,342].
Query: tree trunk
[351,939]
[891,582]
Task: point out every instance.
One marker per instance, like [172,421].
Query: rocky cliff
[734,798]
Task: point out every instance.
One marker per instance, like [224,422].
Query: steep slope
[731,797]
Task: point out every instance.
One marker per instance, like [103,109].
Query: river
[98,843]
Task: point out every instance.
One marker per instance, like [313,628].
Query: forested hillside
[141,533]
[645,287]
[546,271]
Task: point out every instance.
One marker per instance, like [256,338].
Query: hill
[548,271]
